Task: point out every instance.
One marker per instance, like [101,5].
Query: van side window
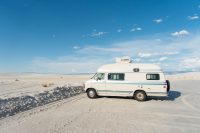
[153,77]
[116,76]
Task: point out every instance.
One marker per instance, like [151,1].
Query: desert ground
[33,83]
[180,112]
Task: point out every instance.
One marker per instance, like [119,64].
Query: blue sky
[72,36]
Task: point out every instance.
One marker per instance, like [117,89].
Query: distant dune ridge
[184,76]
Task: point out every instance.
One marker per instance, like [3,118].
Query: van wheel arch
[140,95]
[89,89]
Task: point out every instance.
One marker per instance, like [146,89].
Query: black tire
[91,93]
[140,96]
[168,85]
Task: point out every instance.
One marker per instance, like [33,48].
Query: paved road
[178,113]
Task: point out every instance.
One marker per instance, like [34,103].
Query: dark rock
[14,105]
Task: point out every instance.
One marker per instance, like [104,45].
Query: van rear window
[116,76]
[153,77]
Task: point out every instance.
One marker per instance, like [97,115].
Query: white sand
[179,113]
[30,84]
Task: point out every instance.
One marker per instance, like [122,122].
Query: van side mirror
[96,78]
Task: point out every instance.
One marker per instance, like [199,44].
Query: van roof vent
[125,59]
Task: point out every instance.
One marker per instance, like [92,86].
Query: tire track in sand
[185,102]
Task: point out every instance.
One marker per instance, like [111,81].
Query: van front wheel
[140,96]
[91,93]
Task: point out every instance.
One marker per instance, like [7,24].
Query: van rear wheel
[91,93]
[140,96]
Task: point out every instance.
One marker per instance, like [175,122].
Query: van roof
[128,67]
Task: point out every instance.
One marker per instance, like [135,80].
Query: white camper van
[128,79]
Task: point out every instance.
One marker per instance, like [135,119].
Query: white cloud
[158,20]
[102,50]
[136,29]
[143,50]
[163,58]
[171,53]
[147,55]
[158,40]
[144,55]
[97,34]
[67,64]
[133,29]
[76,47]
[191,63]
[195,16]
[119,30]
[89,58]
[180,33]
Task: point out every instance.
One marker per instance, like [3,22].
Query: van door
[116,85]
[100,83]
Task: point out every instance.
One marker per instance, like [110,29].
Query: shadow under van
[173,95]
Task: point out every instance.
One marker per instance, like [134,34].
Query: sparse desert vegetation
[47,84]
